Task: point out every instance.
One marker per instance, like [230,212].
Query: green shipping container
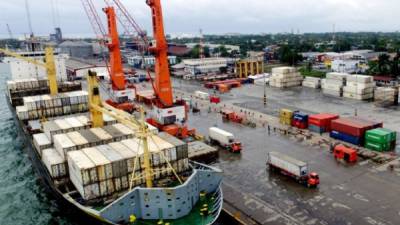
[378,146]
[380,135]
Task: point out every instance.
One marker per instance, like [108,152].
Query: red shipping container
[322,120]
[354,126]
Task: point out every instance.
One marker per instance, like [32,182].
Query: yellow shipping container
[285,116]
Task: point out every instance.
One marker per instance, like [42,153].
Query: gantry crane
[49,64]
[167,115]
[122,96]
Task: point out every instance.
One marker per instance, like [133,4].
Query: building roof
[73,64]
[75,44]
[178,50]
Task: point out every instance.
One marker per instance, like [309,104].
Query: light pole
[265,90]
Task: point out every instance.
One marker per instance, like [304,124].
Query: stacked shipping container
[285,116]
[352,129]
[321,123]
[36,107]
[300,120]
[106,169]
[380,139]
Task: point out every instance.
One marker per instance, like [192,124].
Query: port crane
[122,97]
[167,115]
[49,64]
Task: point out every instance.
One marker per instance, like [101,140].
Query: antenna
[28,14]
[201,47]
[334,32]
[9,31]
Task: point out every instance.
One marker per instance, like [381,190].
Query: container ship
[99,173]
[101,163]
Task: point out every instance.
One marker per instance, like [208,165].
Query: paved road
[358,194]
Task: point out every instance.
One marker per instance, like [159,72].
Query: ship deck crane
[98,108]
[49,64]
[167,114]
[122,96]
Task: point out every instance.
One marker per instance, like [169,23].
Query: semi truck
[291,167]
[224,139]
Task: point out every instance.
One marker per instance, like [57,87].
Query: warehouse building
[77,49]
[139,61]
[20,69]
[78,70]
[207,65]
[252,65]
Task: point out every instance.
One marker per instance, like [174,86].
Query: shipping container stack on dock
[380,139]
[300,120]
[312,82]
[352,130]
[284,77]
[386,96]
[333,84]
[321,123]
[359,87]
[285,117]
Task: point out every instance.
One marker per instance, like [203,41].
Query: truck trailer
[224,139]
[291,167]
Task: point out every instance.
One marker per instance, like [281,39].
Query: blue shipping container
[345,137]
[316,129]
[300,116]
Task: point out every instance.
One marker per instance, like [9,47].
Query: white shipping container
[124,129]
[337,76]
[74,122]
[63,125]
[358,96]
[358,90]
[81,168]
[119,164]
[89,191]
[84,120]
[128,155]
[283,70]
[289,164]
[223,137]
[41,142]
[79,141]
[63,144]
[22,112]
[360,85]
[103,165]
[101,134]
[360,79]
[56,165]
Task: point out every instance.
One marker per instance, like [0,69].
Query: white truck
[291,167]
[224,139]
[202,95]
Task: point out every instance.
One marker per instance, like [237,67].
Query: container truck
[224,139]
[291,167]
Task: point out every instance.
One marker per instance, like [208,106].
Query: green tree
[289,55]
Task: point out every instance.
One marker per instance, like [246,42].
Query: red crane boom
[160,50]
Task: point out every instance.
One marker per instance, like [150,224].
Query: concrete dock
[365,193]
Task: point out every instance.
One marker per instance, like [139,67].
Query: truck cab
[313,180]
[236,147]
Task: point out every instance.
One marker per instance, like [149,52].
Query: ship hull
[73,211]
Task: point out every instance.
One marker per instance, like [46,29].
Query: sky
[212,16]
